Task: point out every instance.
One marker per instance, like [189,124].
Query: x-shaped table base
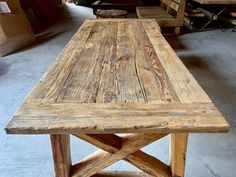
[115,148]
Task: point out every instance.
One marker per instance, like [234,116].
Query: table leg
[61,154]
[178,148]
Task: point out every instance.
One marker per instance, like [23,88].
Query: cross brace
[115,148]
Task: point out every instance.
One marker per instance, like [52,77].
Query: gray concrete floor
[210,57]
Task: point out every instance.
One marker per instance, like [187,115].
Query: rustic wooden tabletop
[117,76]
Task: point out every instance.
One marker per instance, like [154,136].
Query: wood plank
[230,20]
[140,159]
[45,90]
[233,14]
[177,1]
[209,14]
[149,164]
[194,14]
[61,154]
[172,4]
[102,141]
[186,87]
[152,12]
[107,67]
[121,174]
[148,67]
[180,14]
[163,18]
[178,149]
[101,159]
[117,117]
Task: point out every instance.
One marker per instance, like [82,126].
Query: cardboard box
[15,30]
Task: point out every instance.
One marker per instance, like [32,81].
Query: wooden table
[118,76]
[216,2]
[212,15]
[111,13]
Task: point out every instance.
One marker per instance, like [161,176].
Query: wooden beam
[178,149]
[172,4]
[121,174]
[185,85]
[61,154]
[107,142]
[117,118]
[149,164]
[143,161]
[208,14]
[101,159]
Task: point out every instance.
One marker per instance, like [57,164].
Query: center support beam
[116,148]
[140,159]
[102,159]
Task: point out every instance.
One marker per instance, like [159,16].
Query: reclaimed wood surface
[117,117]
[216,1]
[114,76]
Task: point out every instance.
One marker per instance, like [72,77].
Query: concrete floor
[210,57]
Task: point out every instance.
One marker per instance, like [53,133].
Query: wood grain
[61,154]
[110,67]
[172,4]
[185,86]
[110,63]
[117,117]
[140,159]
[101,159]
[178,150]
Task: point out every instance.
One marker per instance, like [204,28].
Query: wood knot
[123,58]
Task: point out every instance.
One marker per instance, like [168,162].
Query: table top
[111,13]
[117,75]
[216,2]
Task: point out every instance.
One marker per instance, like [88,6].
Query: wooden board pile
[230,16]
[191,14]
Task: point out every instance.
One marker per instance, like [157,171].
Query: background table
[216,1]
[214,16]
[118,76]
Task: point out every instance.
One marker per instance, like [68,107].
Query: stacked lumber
[191,13]
[230,15]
